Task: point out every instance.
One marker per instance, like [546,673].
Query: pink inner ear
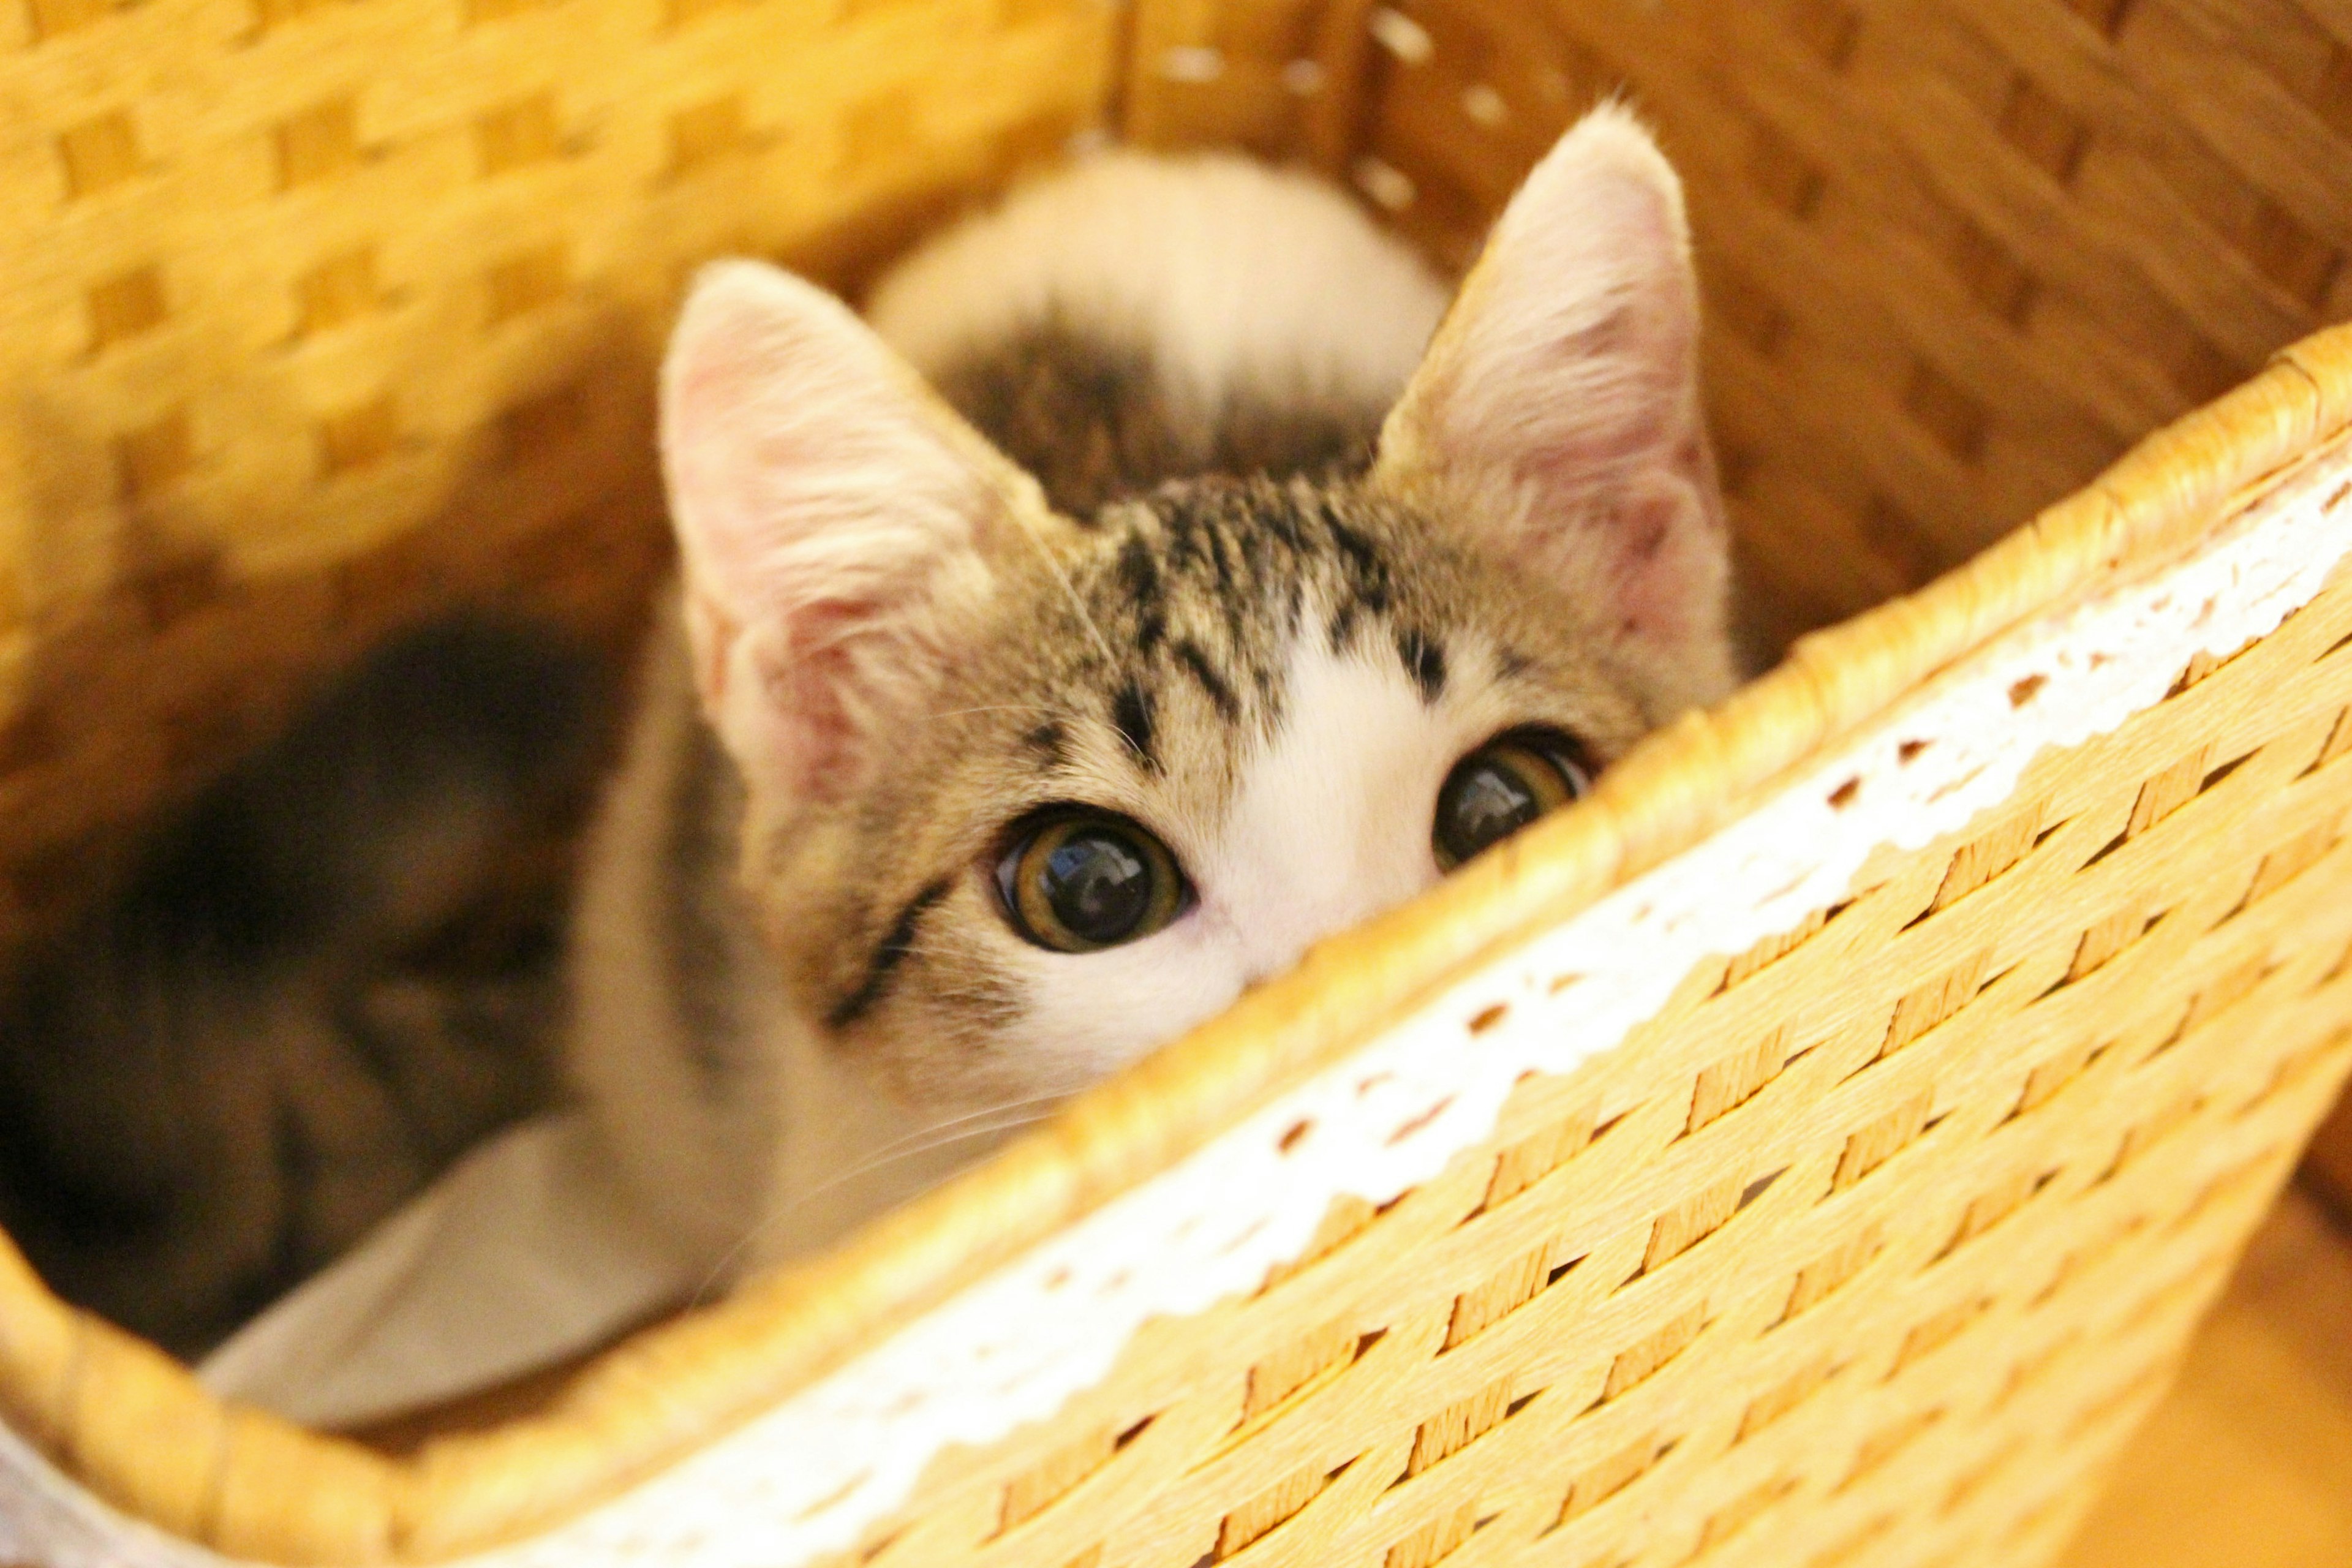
[830,516]
[1670,544]
[1605,364]
[813,683]
[762,416]
[1597,420]
[1569,375]
[780,708]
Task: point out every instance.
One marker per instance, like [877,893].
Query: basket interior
[329,316]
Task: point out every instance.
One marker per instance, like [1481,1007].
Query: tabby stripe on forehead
[1220,691]
[1424,660]
[1130,715]
[1049,742]
[887,958]
[1140,572]
[1358,550]
[1343,627]
[1218,561]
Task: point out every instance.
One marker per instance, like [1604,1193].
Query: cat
[317,985]
[1140,592]
[1162,577]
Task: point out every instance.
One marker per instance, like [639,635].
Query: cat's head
[1030,794]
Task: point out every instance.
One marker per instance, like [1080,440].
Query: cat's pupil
[1501,787]
[1488,804]
[1099,886]
[1082,880]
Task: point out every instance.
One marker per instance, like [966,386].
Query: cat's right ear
[835,520]
[1556,415]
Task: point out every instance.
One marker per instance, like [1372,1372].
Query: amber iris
[1080,881]
[1504,786]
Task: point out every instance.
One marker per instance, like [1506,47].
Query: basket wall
[314,316]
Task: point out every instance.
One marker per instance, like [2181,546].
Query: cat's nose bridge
[1330,824]
[1313,903]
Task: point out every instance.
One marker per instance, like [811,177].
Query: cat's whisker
[1077,602]
[994,708]
[917,1144]
[934,1128]
[925,1146]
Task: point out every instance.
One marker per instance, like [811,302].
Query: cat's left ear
[838,526]
[1558,410]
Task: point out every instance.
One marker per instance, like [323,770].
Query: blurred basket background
[316,315]
[319,312]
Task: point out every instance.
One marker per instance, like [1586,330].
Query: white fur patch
[1232,273]
[1331,826]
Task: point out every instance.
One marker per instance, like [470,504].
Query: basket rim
[675,1387]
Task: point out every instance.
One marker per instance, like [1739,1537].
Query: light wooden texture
[2248,1462]
[314,317]
[1959,258]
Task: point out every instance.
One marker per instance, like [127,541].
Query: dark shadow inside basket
[1898,371]
[133,703]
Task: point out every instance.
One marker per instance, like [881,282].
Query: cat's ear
[836,524]
[1558,411]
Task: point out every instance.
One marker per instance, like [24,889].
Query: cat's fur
[317,985]
[1211,544]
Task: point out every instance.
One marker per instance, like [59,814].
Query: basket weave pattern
[317,316]
[1868,1248]
[1973,250]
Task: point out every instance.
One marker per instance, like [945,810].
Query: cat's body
[998,732]
[310,994]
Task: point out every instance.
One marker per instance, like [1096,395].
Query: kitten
[1133,603]
[1145,595]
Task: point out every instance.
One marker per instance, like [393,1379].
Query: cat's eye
[1504,786]
[1079,881]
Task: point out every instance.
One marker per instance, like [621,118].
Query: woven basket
[1815,1149]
